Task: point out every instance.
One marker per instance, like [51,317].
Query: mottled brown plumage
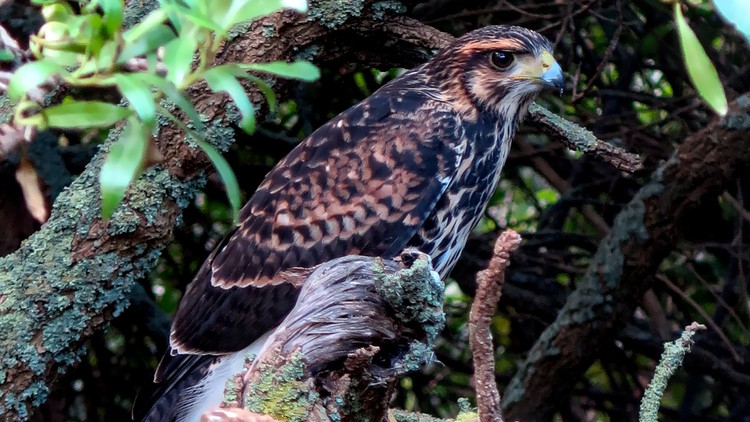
[412,165]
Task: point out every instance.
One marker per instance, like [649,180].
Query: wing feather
[361,184]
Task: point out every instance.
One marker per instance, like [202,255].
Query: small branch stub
[489,287]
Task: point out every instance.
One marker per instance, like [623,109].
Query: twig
[542,167]
[670,360]
[578,138]
[489,286]
[693,304]
[739,208]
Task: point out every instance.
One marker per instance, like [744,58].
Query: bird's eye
[501,59]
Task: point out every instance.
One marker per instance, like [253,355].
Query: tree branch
[671,359]
[359,324]
[578,138]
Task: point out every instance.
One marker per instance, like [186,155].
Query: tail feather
[186,386]
[176,375]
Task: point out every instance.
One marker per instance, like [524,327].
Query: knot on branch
[359,324]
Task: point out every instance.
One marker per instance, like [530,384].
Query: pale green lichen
[334,13]
[308,53]
[671,359]
[415,294]
[268,30]
[6,111]
[237,30]
[50,302]
[404,416]
[281,392]
[351,403]
[466,412]
[739,120]
[383,8]
[230,391]
[467,417]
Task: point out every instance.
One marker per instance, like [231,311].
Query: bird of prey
[413,165]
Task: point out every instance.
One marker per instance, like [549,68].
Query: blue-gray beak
[553,77]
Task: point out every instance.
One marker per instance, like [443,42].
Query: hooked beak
[553,77]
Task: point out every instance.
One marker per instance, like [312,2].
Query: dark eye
[501,59]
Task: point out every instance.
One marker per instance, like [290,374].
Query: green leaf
[30,76]
[103,60]
[175,95]
[737,13]
[151,21]
[300,69]
[57,12]
[6,56]
[227,176]
[122,165]
[200,19]
[700,69]
[151,40]
[237,71]
[265,89]
[91,34]
[84,114]
[113,14]
[138,95]
[178,58]
[44,2]
[83,26]
[107,55]
[221,78]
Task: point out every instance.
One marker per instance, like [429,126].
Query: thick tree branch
[645,231]
[359,324]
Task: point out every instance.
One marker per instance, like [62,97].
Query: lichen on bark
[66,280]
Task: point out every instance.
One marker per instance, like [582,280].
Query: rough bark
[645,231]
[489,288]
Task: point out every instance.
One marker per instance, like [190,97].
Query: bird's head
[496,69]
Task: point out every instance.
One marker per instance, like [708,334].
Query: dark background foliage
[627,83]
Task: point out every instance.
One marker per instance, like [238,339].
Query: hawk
[413,165]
